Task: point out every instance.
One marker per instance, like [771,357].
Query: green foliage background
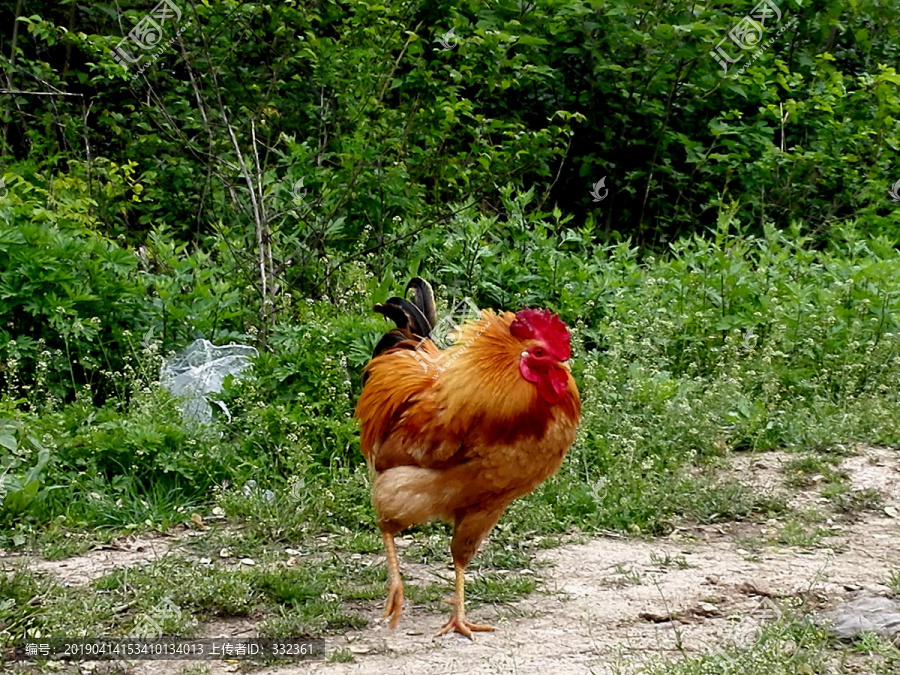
[738,288]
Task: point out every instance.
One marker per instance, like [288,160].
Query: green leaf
[11,235]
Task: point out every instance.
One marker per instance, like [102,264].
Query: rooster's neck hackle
[481,377]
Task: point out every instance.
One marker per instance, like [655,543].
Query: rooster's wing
[403,422]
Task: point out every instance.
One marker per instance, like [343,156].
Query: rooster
[458,434]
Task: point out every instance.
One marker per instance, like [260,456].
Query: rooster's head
[546,349]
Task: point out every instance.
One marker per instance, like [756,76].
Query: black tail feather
[415,317]
[423,298]
[389,340]
[395,313]
[416,321]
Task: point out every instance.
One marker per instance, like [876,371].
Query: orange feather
[467,415]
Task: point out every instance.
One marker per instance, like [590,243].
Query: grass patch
[789,646]
[848,501]
[314,597]
[808,469]
[315,617]
[801,533]
[322,592]
[495,588]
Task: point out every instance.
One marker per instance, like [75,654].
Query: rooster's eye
[539,351]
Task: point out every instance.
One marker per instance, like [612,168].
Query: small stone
[705,609]
[758,588]
[248,561]
[225,553]
[654,617]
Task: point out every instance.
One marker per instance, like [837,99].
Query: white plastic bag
[200,369]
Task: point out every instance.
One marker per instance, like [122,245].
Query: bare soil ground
[83,569]
[608,604]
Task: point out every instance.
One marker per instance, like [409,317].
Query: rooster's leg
[470,528]
[457,620]
[394,604]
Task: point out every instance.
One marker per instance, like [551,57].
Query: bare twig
[257,218]
[387,81]
[558,172]
[12,58]
[39,93]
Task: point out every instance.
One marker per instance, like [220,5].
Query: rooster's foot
[394,604]
[460,625]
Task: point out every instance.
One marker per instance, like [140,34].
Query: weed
[809,469]
[341,656]
[20,598]
[626,576]
[798,532]
[788,646]
[894,582]
[668,560]
[499,588]
[847,500]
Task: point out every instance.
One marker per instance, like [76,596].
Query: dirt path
[83,569]
[590,618]
[611,603]
[603,605]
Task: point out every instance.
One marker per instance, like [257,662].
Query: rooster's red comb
[542,324]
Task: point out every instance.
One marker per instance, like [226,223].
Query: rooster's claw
[394,604]
[460,625]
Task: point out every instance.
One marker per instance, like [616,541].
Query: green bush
[70,300]
[22,462]
[144,211]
